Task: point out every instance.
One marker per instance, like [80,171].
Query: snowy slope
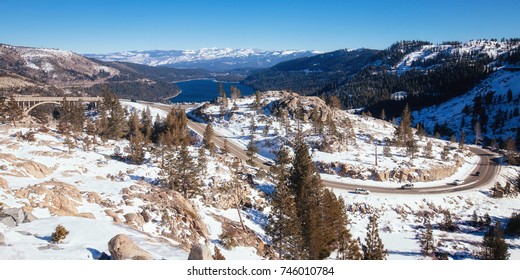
[451,113]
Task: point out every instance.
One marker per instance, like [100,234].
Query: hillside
[94,188]
[429,73]
[212,59]
[494,104]
[25,70]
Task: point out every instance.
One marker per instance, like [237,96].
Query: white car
[407,186]
[458,182]
[362,191]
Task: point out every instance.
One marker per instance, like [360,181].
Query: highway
[488,166]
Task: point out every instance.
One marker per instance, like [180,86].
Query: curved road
[487,166]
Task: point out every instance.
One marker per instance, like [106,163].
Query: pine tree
[14,112]
[251,151]
[283,226]
[426,239]
[116,124]
[207,139]
[348,248]
[223,96]
[258,101]
[513,225]
[202,162]
[179,173]
[428,150]
[146,124]
[386,151]
[305,183]
[412,148]
[447,222]
[373,249]
[462,140]
[135,149]
[445,152]
[404,130]
[494,246]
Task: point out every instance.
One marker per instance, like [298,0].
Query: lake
[206,90]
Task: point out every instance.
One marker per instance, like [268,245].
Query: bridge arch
[26,112]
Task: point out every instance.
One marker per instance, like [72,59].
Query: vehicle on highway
[362,191]
[407,186]
[268,163]
[458,182]
[477,173]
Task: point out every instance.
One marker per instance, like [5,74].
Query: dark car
[477,173]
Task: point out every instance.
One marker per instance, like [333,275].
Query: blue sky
[93,26]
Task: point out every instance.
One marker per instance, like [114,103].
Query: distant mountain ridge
[213,59]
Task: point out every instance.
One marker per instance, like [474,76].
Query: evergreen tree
[283,226]
[494,246]
[445,152]
[258,101]
[207,139]
[383,114]
[13,111]
[176,129]
[146,124]
[133,125]
[235,93]
[251,151]
[412,148]
[513,225]
[428,150]
[386,151]
[462,140]
[223,96]
[348,248]
[116,124]
[426,239]
[102,124]
[404,130]
[179,172]
[305,183]
[202,162]
[509,96]
[135,149]
[447,222]
[373,249]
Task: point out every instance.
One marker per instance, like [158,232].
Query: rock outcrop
[121,247]
[60,198]
[200,252]
[2,239]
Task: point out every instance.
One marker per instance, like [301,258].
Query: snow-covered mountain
[206,58]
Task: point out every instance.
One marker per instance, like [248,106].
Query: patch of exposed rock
[60,198]
[234,235]
[304,107]
[23,167]
[179,220]
[3,184]
[200,252]
[121,247]
[12,217]
[395,175]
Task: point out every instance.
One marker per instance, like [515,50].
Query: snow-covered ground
[97,172]
[359,156]
[451,113]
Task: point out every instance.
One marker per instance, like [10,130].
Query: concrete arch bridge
[27,103]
